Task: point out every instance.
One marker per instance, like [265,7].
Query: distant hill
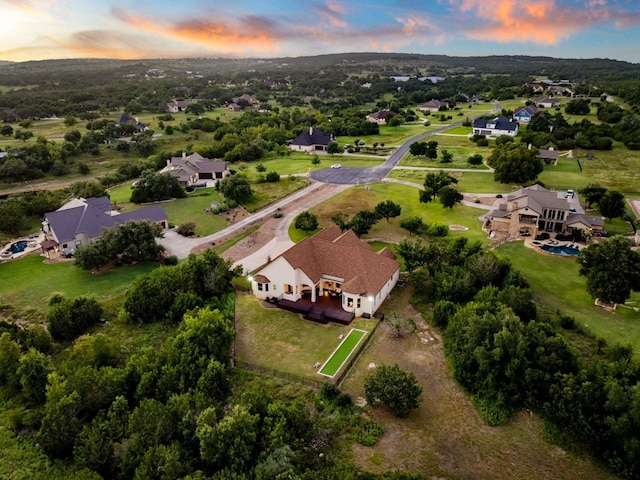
[391,63]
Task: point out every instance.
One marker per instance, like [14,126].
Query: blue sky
[45,29]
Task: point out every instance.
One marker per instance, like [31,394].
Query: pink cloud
[332,12]
[537,21]
[28,7]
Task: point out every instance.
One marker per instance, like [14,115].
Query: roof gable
[343,256]
[314,136]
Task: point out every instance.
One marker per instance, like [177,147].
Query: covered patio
[323,310]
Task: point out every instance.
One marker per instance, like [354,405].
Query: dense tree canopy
[153,187]
[515,163]
[611,268]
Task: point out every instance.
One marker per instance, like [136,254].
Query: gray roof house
[193,168]
[533,210]
[312,140]
[495,127]
[81,221]
[432,106]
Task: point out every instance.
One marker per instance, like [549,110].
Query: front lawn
[556,283]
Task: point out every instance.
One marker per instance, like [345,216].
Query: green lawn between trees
[557,284]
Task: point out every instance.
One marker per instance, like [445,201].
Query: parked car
[200,185]
[336,165]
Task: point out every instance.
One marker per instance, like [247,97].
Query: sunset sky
[132,29]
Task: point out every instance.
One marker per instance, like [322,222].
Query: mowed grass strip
[342,353]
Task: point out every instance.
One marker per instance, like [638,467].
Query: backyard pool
[567,250]
[15,247]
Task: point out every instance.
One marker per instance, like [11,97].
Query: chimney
[184,154]
[310,130]
[168,162]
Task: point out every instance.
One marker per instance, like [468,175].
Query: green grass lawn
[273,338]
[181,210]
[300,163]
[266,193]
[342,353]
[359,198]
[28,282]
[556,283]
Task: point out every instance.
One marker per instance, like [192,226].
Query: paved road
[362,175]
[181,246]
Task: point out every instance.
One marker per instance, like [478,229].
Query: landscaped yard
[556,282]
[284,341]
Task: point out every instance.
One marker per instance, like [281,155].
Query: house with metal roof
[81,221]
[331,268]
[495,127]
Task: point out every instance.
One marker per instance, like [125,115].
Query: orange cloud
[250,32]
[538,21]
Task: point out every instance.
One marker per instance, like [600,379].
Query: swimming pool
[566,250]
[18,247]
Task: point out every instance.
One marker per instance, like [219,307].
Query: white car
[336,165]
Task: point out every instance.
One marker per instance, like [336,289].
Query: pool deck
[536,244]
[33,245]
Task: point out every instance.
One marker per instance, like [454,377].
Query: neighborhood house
[533,210]
[311,141]
[495,127]
[330,266]
[380,117]
[194,168]
[81,221]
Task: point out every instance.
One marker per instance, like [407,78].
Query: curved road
[360,175]
[341,178]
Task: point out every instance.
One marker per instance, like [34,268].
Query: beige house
[432,106]
[380,117]
[331,265]
[533,210]
[195,168]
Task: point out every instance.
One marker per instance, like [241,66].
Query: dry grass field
[445,438]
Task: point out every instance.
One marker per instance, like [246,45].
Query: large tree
[592,193]
[236,187]
[306,221]
[612,205]
[612,269]
[393,387]
[449,196]
[515,163]
[388,209]
[433,183]
[153,187]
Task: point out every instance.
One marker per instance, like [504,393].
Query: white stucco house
[331,266]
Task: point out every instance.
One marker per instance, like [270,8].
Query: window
[259,287]
[288,289]
[263,287]
[349,302]
[78,243]
[358,303]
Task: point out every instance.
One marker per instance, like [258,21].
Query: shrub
[543,236]
[273,177]
[171,260]
[187,229]
[369,433]
[437,230]
[483,142]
